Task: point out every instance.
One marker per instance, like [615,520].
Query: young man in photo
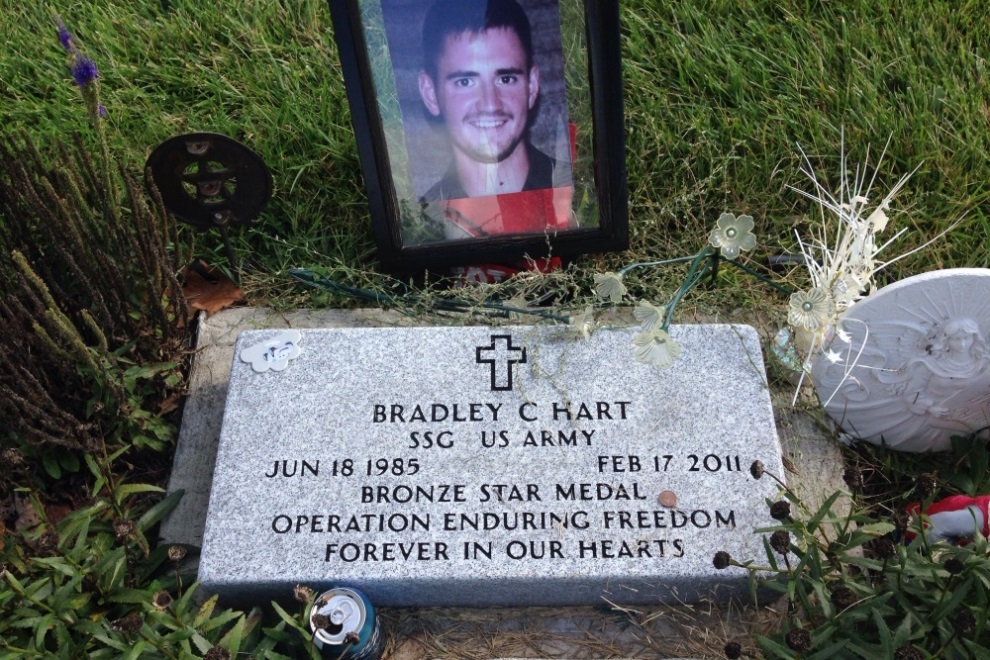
[479,79]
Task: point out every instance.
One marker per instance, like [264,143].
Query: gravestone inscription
[489,466]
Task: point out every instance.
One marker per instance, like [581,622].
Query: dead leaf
[27,517]
[170,403]
[8,507]
[208,289]
[55,512]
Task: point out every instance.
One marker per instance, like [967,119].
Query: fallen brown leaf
[208,289]
[27,517]
[170,403]
[55,512]
[8,507]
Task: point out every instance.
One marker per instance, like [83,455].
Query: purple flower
[102,109]
[64,36]
[84,70]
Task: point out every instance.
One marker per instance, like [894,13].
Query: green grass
[717,97]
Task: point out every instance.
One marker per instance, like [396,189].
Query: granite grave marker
[489,466]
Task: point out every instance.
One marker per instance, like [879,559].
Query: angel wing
[865,390]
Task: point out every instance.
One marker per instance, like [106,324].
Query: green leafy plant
[95,330]
[853,586]
[91,586]
[95,302]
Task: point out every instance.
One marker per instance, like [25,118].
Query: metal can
[345,627]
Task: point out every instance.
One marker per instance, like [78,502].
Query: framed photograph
[489,131]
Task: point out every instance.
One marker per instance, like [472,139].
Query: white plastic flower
[516,302]
[656,347]
[733,235]
[273,354]
[812,309]
[648,315]
[584,323]
[847,290]
[609,286]
[878,219]
[843,254]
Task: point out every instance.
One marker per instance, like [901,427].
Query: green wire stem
[706,262]
[678,260]
[692,279]
[314,280]
[761,277]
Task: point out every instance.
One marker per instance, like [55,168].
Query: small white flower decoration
[847,291]
[833,357]
[656,347]
[609,286]
[517,302]
[584,323]
[811,309]
[648,315]
[273,354]
[733,235]
[878,219]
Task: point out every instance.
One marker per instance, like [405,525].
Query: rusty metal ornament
[209,180]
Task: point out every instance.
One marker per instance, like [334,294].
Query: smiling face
[483,91]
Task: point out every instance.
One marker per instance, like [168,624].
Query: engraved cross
[500,356]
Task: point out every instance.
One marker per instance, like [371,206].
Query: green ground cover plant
[861,584]
[718,96]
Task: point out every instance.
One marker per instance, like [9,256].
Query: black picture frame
[589,53]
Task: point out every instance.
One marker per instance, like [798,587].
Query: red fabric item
[495,273]
[953,503]
[531,211]
[528,212]
[572,134]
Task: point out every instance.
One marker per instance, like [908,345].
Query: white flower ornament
[584,322]
[812,309]
[656,347]
[733,235]
[273,354]
[648,315]
[609,286]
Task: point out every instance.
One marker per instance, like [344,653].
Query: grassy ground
[717,97]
